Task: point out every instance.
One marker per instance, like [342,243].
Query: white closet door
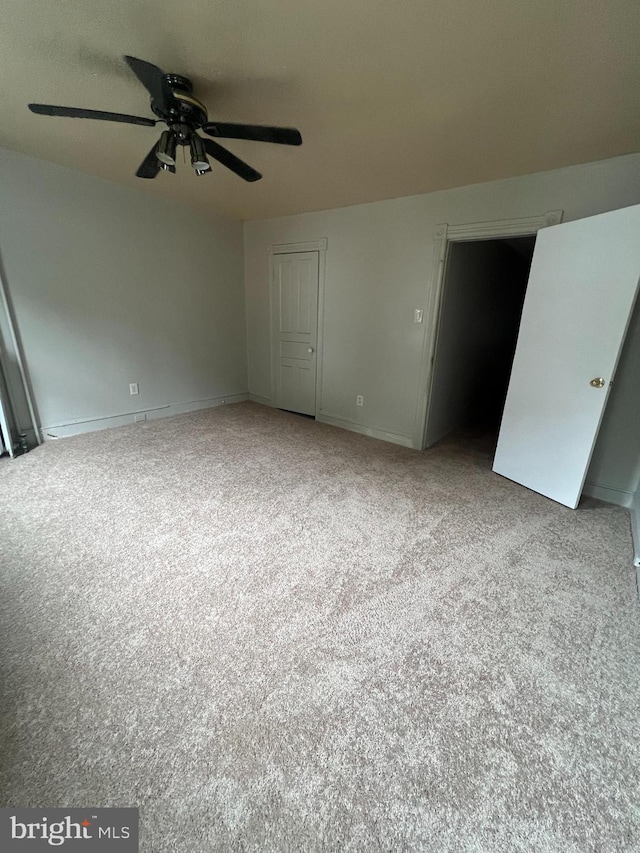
[294,317]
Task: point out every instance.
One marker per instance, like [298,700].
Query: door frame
[319,246]
[15,385]
[444,235]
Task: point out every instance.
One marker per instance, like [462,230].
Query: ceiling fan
[172,101]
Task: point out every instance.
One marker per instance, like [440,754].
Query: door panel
[294,313]
[582,287]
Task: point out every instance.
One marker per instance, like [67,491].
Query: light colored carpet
[273,635]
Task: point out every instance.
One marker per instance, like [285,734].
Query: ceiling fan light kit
[173,103]
[166,149]
[198,155]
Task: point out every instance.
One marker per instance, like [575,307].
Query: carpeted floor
[274,635]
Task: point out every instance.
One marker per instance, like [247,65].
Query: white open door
[581,291]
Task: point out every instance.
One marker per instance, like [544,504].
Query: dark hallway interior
[484,289]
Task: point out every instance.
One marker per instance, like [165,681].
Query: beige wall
[378,269]
[110,286]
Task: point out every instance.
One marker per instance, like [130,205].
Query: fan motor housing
[187,109]
[177,81]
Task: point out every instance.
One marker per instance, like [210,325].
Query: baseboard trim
[264,401]
[80,425]
[608,494]
[353,426]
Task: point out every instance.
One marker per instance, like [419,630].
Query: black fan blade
[75,112]
[231,161]
[153,79]
[150,166]
[280,135]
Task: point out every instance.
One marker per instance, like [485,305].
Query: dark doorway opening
[483,293]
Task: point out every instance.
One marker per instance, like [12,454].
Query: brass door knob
[598,382]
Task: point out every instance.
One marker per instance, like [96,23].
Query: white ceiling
[393,97]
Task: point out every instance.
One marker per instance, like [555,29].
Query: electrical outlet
[359,400]
[133,388]
[418,314]
[141,416]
